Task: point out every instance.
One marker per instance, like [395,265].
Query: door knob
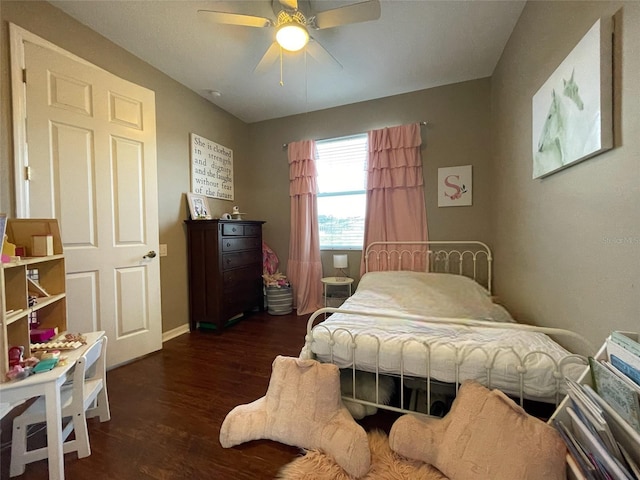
[150,254]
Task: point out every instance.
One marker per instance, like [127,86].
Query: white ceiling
[416,44]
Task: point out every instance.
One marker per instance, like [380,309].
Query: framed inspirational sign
[211,168]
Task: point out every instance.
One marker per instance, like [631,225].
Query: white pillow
[429,294]
[501,314]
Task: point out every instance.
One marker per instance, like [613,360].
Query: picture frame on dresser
[198,207]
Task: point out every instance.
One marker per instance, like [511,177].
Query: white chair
[85,397]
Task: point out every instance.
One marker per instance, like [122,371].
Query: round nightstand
[336,282]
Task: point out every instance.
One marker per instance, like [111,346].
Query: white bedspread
[439,297]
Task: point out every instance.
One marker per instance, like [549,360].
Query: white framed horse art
[572,110]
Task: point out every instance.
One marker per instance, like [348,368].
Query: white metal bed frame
[434,257]
[450,260]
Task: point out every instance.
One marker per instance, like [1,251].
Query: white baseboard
[176,332]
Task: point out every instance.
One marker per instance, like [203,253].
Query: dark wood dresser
[225,270]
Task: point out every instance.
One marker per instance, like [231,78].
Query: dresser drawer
[237,301]
[239,230]
[232,229]
[253,231]
[244,243]
[239,278]
[240,259]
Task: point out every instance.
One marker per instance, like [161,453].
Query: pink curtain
[304,267]
[395,189]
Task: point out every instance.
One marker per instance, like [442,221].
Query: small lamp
[340,262]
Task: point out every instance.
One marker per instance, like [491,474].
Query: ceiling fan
[292,26]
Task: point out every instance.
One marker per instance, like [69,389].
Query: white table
[48,384]
[335,281]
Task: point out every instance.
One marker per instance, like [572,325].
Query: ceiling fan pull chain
[281,81]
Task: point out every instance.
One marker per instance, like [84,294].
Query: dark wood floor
[167,408]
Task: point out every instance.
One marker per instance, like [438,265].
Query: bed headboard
[470,258]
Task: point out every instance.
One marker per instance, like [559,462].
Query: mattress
[433,347]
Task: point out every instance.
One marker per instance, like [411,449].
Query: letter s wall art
[455,186]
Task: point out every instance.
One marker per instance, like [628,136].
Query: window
[342,179]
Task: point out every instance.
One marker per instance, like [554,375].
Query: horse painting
[565,134]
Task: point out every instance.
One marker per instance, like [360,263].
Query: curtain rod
[285,145]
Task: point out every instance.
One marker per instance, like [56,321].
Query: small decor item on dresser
[198,207]
[236,214]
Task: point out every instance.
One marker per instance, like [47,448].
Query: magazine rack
[622,431]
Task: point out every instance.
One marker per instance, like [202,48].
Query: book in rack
[616,391]
[624,355]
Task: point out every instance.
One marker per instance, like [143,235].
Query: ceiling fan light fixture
[292,36]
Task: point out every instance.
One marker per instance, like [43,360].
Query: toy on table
[18,373]
[8,250]
[15,355]
[45,365]
[19,367]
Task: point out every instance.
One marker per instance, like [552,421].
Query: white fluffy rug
[385,465]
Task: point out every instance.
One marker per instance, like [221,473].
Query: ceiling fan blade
[270,56]
[321,54]
[290,4]
[354,13]
[235,19]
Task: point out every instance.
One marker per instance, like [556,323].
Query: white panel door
[92,165]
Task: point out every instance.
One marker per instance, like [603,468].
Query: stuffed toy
[485,436]
[365,390]
[302,408]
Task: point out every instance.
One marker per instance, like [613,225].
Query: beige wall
[179,111]
[458,133]
[567,247]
